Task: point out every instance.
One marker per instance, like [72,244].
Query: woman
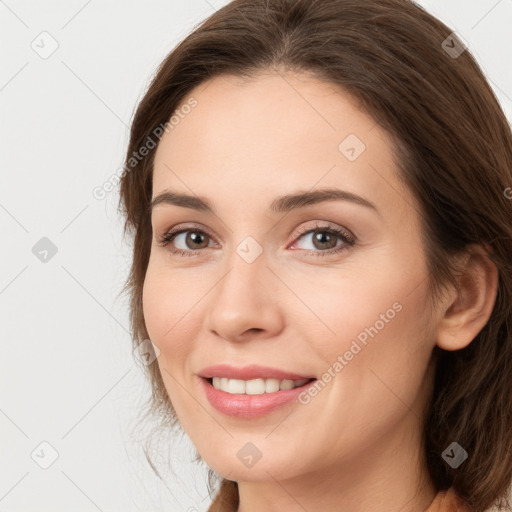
[318,193]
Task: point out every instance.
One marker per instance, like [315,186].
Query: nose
[244,303]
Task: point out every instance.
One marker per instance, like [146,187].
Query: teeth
[255,386]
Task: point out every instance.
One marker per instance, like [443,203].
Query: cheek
[169,318]
[386,355]
[168,310]
[377,321]
[351,303]
[156,307]
[381,377]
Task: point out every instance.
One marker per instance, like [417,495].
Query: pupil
[322,237]
[196,237]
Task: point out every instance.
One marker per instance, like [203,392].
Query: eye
[194,237]
[324,239]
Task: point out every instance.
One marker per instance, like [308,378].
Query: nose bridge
[246,262]
[241,300]
[245,279]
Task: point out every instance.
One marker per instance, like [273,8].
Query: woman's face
[262,280]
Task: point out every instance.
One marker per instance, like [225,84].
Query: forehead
[237,118]
[275,133]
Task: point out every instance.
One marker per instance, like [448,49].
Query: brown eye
[324,240]
[191,239]
[196,240]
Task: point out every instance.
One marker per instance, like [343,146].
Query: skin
[356,446]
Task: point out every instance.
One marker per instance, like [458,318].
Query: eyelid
[326,226]
[180,228]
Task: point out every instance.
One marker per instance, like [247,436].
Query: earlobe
[471,305]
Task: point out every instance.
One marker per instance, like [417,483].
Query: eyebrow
[281,204]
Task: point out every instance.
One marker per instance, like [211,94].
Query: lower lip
[250,406]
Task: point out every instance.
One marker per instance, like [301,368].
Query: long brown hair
[453,147]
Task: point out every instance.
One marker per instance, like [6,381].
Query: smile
[255,386]
[240,403]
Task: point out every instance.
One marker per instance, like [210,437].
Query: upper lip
[250,372]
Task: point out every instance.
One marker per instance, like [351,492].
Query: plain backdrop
[71,76]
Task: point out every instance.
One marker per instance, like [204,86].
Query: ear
[468,308]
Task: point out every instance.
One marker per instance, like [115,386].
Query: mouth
[258,386]
[250,399]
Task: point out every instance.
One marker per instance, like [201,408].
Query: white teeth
[255,386]
[236,386]
[271,385]
[286,384]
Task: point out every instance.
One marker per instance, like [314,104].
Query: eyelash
[348,239]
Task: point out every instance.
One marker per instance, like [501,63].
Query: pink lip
[249,372]
[249,406]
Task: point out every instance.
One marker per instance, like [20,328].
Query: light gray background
[67,373]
